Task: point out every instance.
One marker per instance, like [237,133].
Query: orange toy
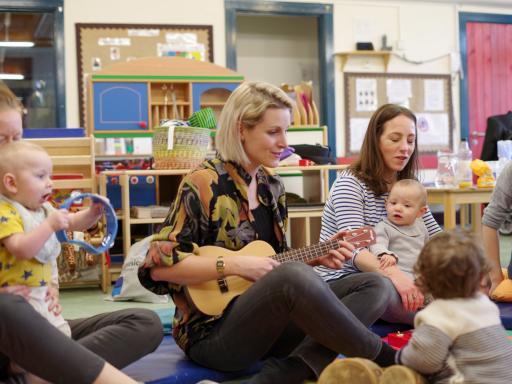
[484,173]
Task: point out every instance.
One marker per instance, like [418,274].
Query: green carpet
[85,302]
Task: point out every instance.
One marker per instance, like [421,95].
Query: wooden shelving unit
[382,55]
[300,217]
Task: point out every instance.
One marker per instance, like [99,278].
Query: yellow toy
[484,173]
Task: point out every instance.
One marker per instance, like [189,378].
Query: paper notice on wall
[183,45]
[433,130]
[119,41]
[144,32]
[434,95]
[357,131]
[366,95]
[399,91]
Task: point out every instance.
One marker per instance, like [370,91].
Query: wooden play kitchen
[135,96]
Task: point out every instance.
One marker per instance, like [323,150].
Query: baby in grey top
[402,235]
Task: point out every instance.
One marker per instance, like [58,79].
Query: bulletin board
[428,96]
[100,45]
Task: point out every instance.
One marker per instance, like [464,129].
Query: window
[32,59]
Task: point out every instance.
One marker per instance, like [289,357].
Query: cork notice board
[428,96]
[100,45]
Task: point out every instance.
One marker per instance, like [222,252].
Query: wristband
[356,252]
[221,281]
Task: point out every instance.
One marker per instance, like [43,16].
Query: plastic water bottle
[464,174]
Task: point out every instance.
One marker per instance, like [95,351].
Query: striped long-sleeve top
[352,204]
[459,341]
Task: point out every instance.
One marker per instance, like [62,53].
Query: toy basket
[189,147]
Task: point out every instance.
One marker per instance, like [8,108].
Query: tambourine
[111,229]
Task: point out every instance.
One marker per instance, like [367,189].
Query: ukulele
[208,297]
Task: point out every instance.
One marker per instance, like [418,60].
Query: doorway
[256,37]
[486,50]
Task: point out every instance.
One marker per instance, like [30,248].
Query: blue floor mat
[166,315]
[169,365]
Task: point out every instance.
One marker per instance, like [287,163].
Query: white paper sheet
[366,94]
[114,41]
[399,91]
[142,145]
[434,95]
[358,128]
[144,32]
[433,130]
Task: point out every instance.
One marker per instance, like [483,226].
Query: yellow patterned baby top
[13,271]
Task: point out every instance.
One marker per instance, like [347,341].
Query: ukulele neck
[307,253]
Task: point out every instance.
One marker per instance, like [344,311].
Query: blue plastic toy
[110,215]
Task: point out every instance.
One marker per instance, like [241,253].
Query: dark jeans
[291,311]
[119,337]
[37,346]
[33,343]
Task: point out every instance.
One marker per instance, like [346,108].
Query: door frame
[324,15]
[464,18]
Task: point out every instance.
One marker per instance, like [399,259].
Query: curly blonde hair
[451,265]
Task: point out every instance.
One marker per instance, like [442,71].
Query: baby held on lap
[402,234]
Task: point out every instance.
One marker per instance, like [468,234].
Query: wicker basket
[189,148]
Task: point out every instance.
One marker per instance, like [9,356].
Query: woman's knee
[295,273]
[295,279]
[149,325]
[376,285]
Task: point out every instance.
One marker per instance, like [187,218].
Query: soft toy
[503,292]
[484,173]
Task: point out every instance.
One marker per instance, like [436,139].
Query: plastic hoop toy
[110,215]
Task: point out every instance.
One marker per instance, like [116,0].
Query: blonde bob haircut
[246,107]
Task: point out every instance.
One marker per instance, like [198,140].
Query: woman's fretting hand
[335,258]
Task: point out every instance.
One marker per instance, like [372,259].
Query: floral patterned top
[211,208]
